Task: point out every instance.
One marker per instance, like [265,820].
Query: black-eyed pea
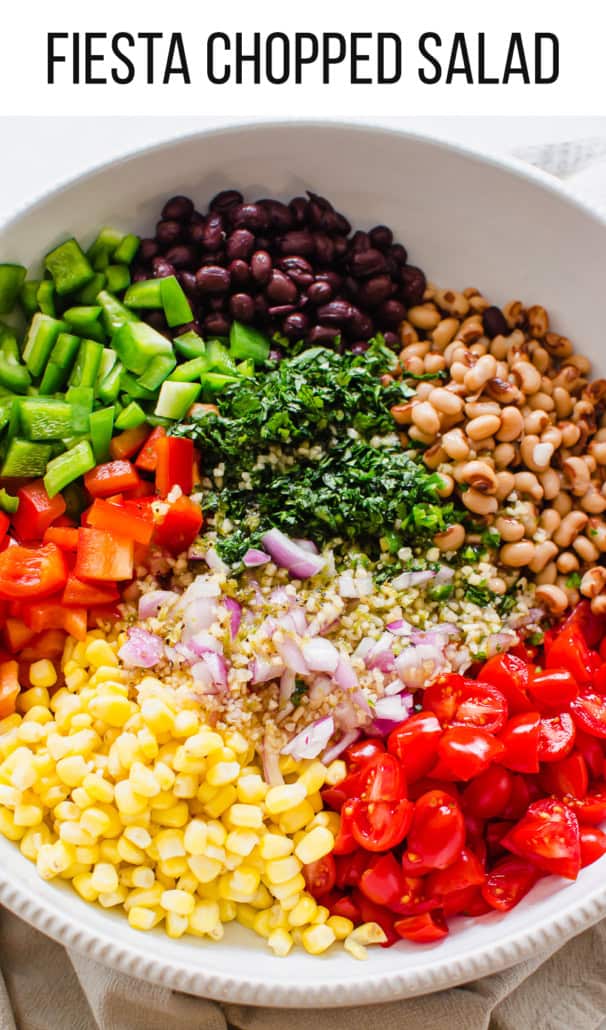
[426,418]
[483,426]
[415,350]
[552,435]
[535,454]
[563,402]
[543,553]
[562,504]
[498,585]
[548,575]
[480,476]
[479,503]
[509,529]
[512,425]
[456,445]
[577,475]
[572,594]
[448,422]
[600,436]
[470,331]
[477,408]
[527,377]
[598,605]
[478,304]
[542,401]
[504,454]
[414,365]
[597,448]
[451,539]
[452,302]
[551,483]
[538,321]
[444,332]
[557,345]
[499,347]
[435,456]
[501,390]
[407,333]
[540,359]
[458,371]
[567,562]
[535,422]
[586,551]
[549,520]
[571,434]
[570,527]
[444,401]
[591,463]
[424,390]
[582,364]
[505,485]
[447,487]
[514,313]
[424,316]
[434,363]
[484,369]
[593,501]
[402,414]
[553,598]
[593,582]
[527,484]
[417,434]
[517,555]
[596,531]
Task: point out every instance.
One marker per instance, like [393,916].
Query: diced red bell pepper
[36,511]
[16,634]
[88,594]
[53,615]
[126,444]
[50,644]
[4,524]
[116,518]
[180,526]
[111,478]
[64,537]
[147,459]
[103,556]
[31,572]
[9,687]
[175,464]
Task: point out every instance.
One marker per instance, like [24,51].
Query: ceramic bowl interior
[510,231]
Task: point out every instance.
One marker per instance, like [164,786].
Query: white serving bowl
[467,220]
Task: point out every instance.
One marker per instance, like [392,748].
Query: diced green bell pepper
[131,417]
[86,367]
[134,391]
[8,502]
[109,387]
[136,343]
[175,399]
[246,368]
[157,371]
[127,249]
[25,458]
[115,314]
[102,250]
[176,305]
[13,375]
[108,360]
[216,382]
[45,298]
[44,418]
[40,340]
[246,342]
[69,267]
[81,400]
[12,278]
[219,358]
[117,278]
[68,466]
[145,294]
[84,321]
[189,345]
[190,370]
[28,297]
[101,424]
[59,364]
[88,294]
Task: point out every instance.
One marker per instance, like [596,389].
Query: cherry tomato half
[557,734]
[548,836]
[589,713]
[521,740]
[361,750]
[566,777]
[383,881]
[511,675]
[458,701]
[437,833]
[593,753]
[380,825]
[381,778]
[591,809]
[464,752]
[554,688]
[415,743]
[466,871]
[508,882]
[487,795]
[593,844]
[422,929]
[569,650]
[320,876]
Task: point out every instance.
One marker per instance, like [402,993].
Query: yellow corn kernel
[54,859]
[33,839]
[280,942]
[313,777]
[141,918]
[284,798]
[75,679]
[98,788]
[288,765]
[157,715]
[316,939]
[336,772]
[84,885]
[126,799]
[147,897]
[108,852]
[129,852]
[282,869]
[104,878]
[19,769]
[147,743]
[222,773]
[95,821]
[227,910]
[261,923]
[165,799]
[83,743]
[82,798]
[240,885]
[167,844]
[87,855]
[126,747]
[38,695]
[100,653]
[314,845]
[245,816]
[73,833]
[138,836]
[222,800]
[143,876]
[205,916]
[175,924]
[241,842]
[109,899]
[303,912]
[143,780]
[173,867]
[202,744]
[185,785]
[284,890]
[262,898]
[31,733]
[328,819]
[367,933]
[340,926]
[9,796]
[216,832]
[176,816]
[187,722]
[251,788]
[38,714]
[322,914]
[42,674]
[287,904]
[72,770]
[195,837]
[115,827]
[52,795]
[28,815]
[178,901]
[183,762]
[204,869]
[296,818]
[275,845]
[187,882]
[246,915]
[108,674]
[164,775]
[316,802]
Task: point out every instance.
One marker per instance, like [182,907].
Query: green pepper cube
[101,252]
[108,360]
[101,424]
[216,382]
[246,368]
[40,340]
[86,367]
[176,305]
[134,391]
[69,267]
[68,466]
[80,398]
[53,379]
[246,342]
[131,417]
[65,349]
[88,294]
[8,502]
[219,358]
[109,386]
[157,371]
[175,399]
[145,294]
[117,277]
[115,314]
[12,278]
[136,343]
[13,375]
[126,250]
[7,406]
[28,297]
[45,298]
[190,370]
[44,418]
[25,458]
[189,345]
[84,320]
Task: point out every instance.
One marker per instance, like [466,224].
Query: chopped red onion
[498,642]
[345,675]
[443,575]
[364,647]
[417,665]
[202,676]
[288,555]
[311,741]
[198,616]
[412,579]
[320,655]
[306,545]
[214,562]
[217,666]
[202,586]
[202,642]
[287,685]
[292,655]
[391,711]
[295,620]
[264,670]
[151,603]
[337,749]
[235,614]
[253,558]
[350,586]
[271,764]
[381,656]
[401,628]
[142,650]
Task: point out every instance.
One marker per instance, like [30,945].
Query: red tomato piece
[465,872]
[381,779]
[373,913]
[361,750]
[521,740]
[569,650]
[589,713]
[591,809]
[103,556]
[111,478]
[488,794]
[461,902]
[464,752]
[175,464]
[380,825]
[347,908]
[50,644]
[349,868]
[599,677]
[458,701]
[511,675]
[554,688]
[569,776]
[126,444]
[426,928]
[437,833]
[383,881]
[557,735]
[495,831]
[508,882]
[36,511]
[320,876]
[593,844]
[180,526]
[592,626]
[548,836]
[592,751]
[345,842]
[9,687]
[429,783]
[118,519]
[415,743]
[31,572]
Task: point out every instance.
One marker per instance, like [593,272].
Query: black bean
[343,226]
[148,249]
[391,313]
[280,310]
[295,325]
[212,279]
[216,325]
[216,302]
[239,272]
[298,208]
[333,278]
[413,283]
[239,244]
[367,262]
[351,287]
[225,200]
[188,282]
[340,245]
[360,325]
[162,268]
[359,241]
[398,253]
[169,232]
[157,320]
[212,235]
[381,237]
[242,307]
[375,290]
[261,307]
[196,232]
[359,347]
[336,313]
[297,241]
[319,293]
[494,323]
[179,208]
[260,267]
[321,213]
[249,216]
[392,340]
[139,277]
[275,354]
[181,256]
[298,269]
[324,248]
[281,289]
[279,216]
[322,334]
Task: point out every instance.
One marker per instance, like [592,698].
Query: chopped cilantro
[441,592]
[491,538]
[536,639]
[299,692]
[573,581]
[479,593]
[506,603]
